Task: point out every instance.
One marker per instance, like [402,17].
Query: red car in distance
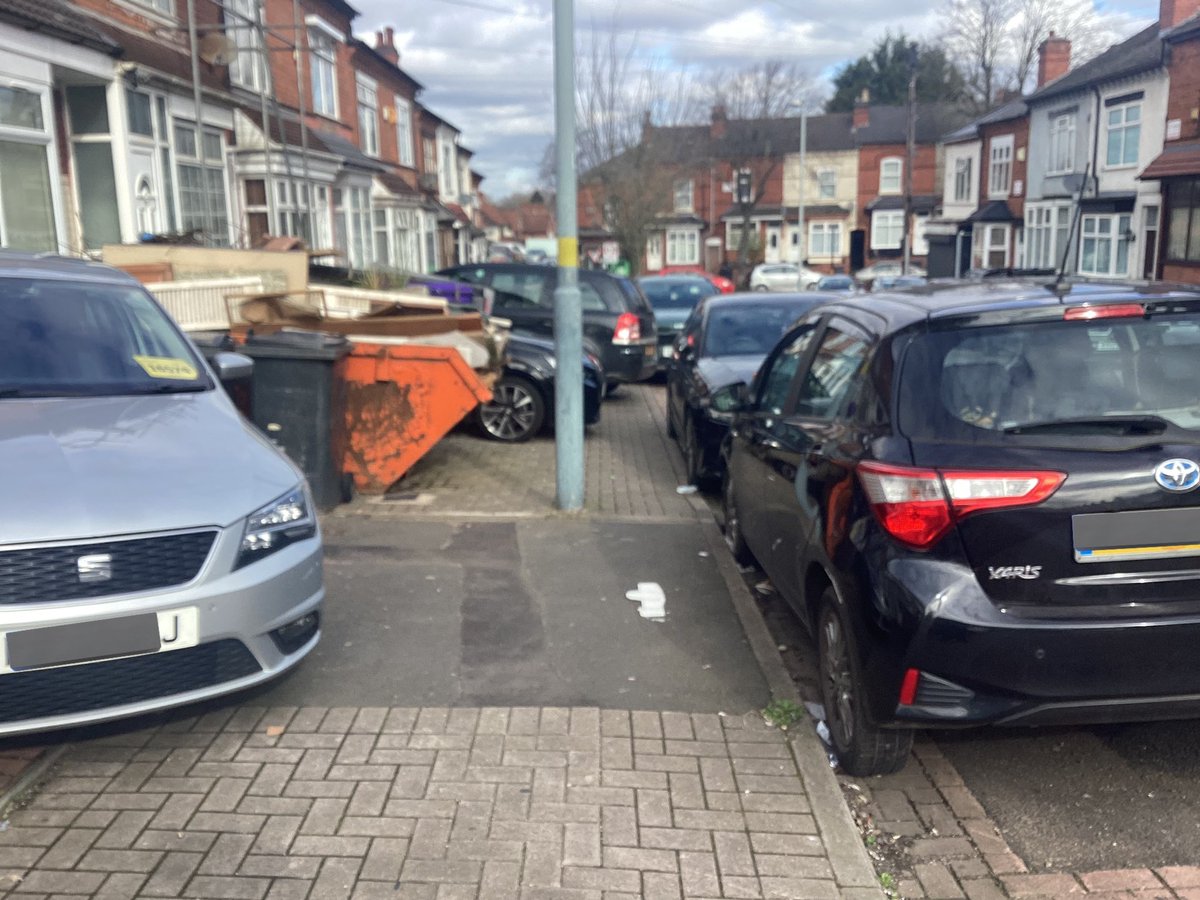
[720,282]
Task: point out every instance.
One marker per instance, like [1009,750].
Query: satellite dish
[217,50]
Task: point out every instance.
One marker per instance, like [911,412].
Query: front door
[756,437]
[773,251]
[1150,242]
[146,217]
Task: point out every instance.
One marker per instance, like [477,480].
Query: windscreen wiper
[1123,425]
[170,389]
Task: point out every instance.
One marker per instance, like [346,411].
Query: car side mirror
[232,366]
[731,398]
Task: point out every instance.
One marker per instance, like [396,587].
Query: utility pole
[198,100]
[801,183]
[568,307]
[909,156]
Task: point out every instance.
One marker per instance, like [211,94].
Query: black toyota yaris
[983,501]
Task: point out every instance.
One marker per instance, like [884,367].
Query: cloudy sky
[487,65]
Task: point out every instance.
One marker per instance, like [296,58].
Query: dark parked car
[983,501]
[616,317]
[523,397]
[724,341]
[834,283]
[673,298]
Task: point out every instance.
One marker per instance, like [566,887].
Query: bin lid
[297,343]
[212,341]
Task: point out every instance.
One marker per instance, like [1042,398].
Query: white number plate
[177,629]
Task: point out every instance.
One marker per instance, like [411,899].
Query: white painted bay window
[887,229]
[1104,245]
[683,247]
[26,196]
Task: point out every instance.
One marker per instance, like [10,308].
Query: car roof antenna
[1060,287]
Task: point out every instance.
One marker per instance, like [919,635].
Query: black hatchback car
[723,341]
[984,500]
[616,317]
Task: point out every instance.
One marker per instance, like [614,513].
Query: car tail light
[628,330]
[918,506]
[1107,311]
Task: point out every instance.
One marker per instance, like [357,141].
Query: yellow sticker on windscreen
[167,367]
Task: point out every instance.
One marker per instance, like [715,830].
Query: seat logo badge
[997,573]
[94,568]
[1177,475]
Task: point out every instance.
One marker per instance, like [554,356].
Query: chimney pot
[1054,58]
[720,120]
[385,45]
[862,110]
[1174,12]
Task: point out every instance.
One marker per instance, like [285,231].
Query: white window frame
[986,245]
[1119,224]
[248,69]
[883,223]
[682,247]
[404,132]
[1125,127]
[685,194]
[1062,145]
[888,183]
[42,137]
[824,240]
[964,179]
[212,173]
[322,44]
[1000,166]
[827,184]
[366,92]
[1047,228]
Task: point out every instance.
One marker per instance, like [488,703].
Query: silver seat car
[155,549]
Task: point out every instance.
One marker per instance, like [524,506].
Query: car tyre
[516,412]
[861,748]
[732,525]
[760,287]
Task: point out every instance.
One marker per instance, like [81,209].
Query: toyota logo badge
[1177,475]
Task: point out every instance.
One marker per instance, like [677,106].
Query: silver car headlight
[281,522]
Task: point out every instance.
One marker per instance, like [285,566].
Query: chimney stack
[1173,12]
[862,110]
[385,45]
[720,121]
[1054,57]
[647,125]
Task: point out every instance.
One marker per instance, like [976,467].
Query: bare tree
[978,40]
[994,43]
[620,102]
[1075,20]
[766,90]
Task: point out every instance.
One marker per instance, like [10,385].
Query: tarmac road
[523,613]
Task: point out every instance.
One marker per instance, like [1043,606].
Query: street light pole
[568,307]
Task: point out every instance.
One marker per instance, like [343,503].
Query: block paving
[955,851]
[425,804]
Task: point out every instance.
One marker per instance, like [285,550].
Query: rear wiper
[1130,425]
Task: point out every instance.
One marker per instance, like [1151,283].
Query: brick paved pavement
[543,804]
[630,465]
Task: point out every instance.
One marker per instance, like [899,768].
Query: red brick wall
[1019,129]
[1185,86]
[925,180]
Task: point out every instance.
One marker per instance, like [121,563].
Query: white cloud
[487,65]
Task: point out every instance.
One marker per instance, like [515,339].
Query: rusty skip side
[400,400]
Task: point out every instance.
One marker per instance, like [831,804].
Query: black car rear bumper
[981,664]
[631,362]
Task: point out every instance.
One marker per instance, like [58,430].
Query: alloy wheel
[837,680]
[513,414]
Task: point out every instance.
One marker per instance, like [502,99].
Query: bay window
[824,240]
[1104,245]
[26,196]
[683,247]
[887,230]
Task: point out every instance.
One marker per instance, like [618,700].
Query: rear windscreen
[988,384]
